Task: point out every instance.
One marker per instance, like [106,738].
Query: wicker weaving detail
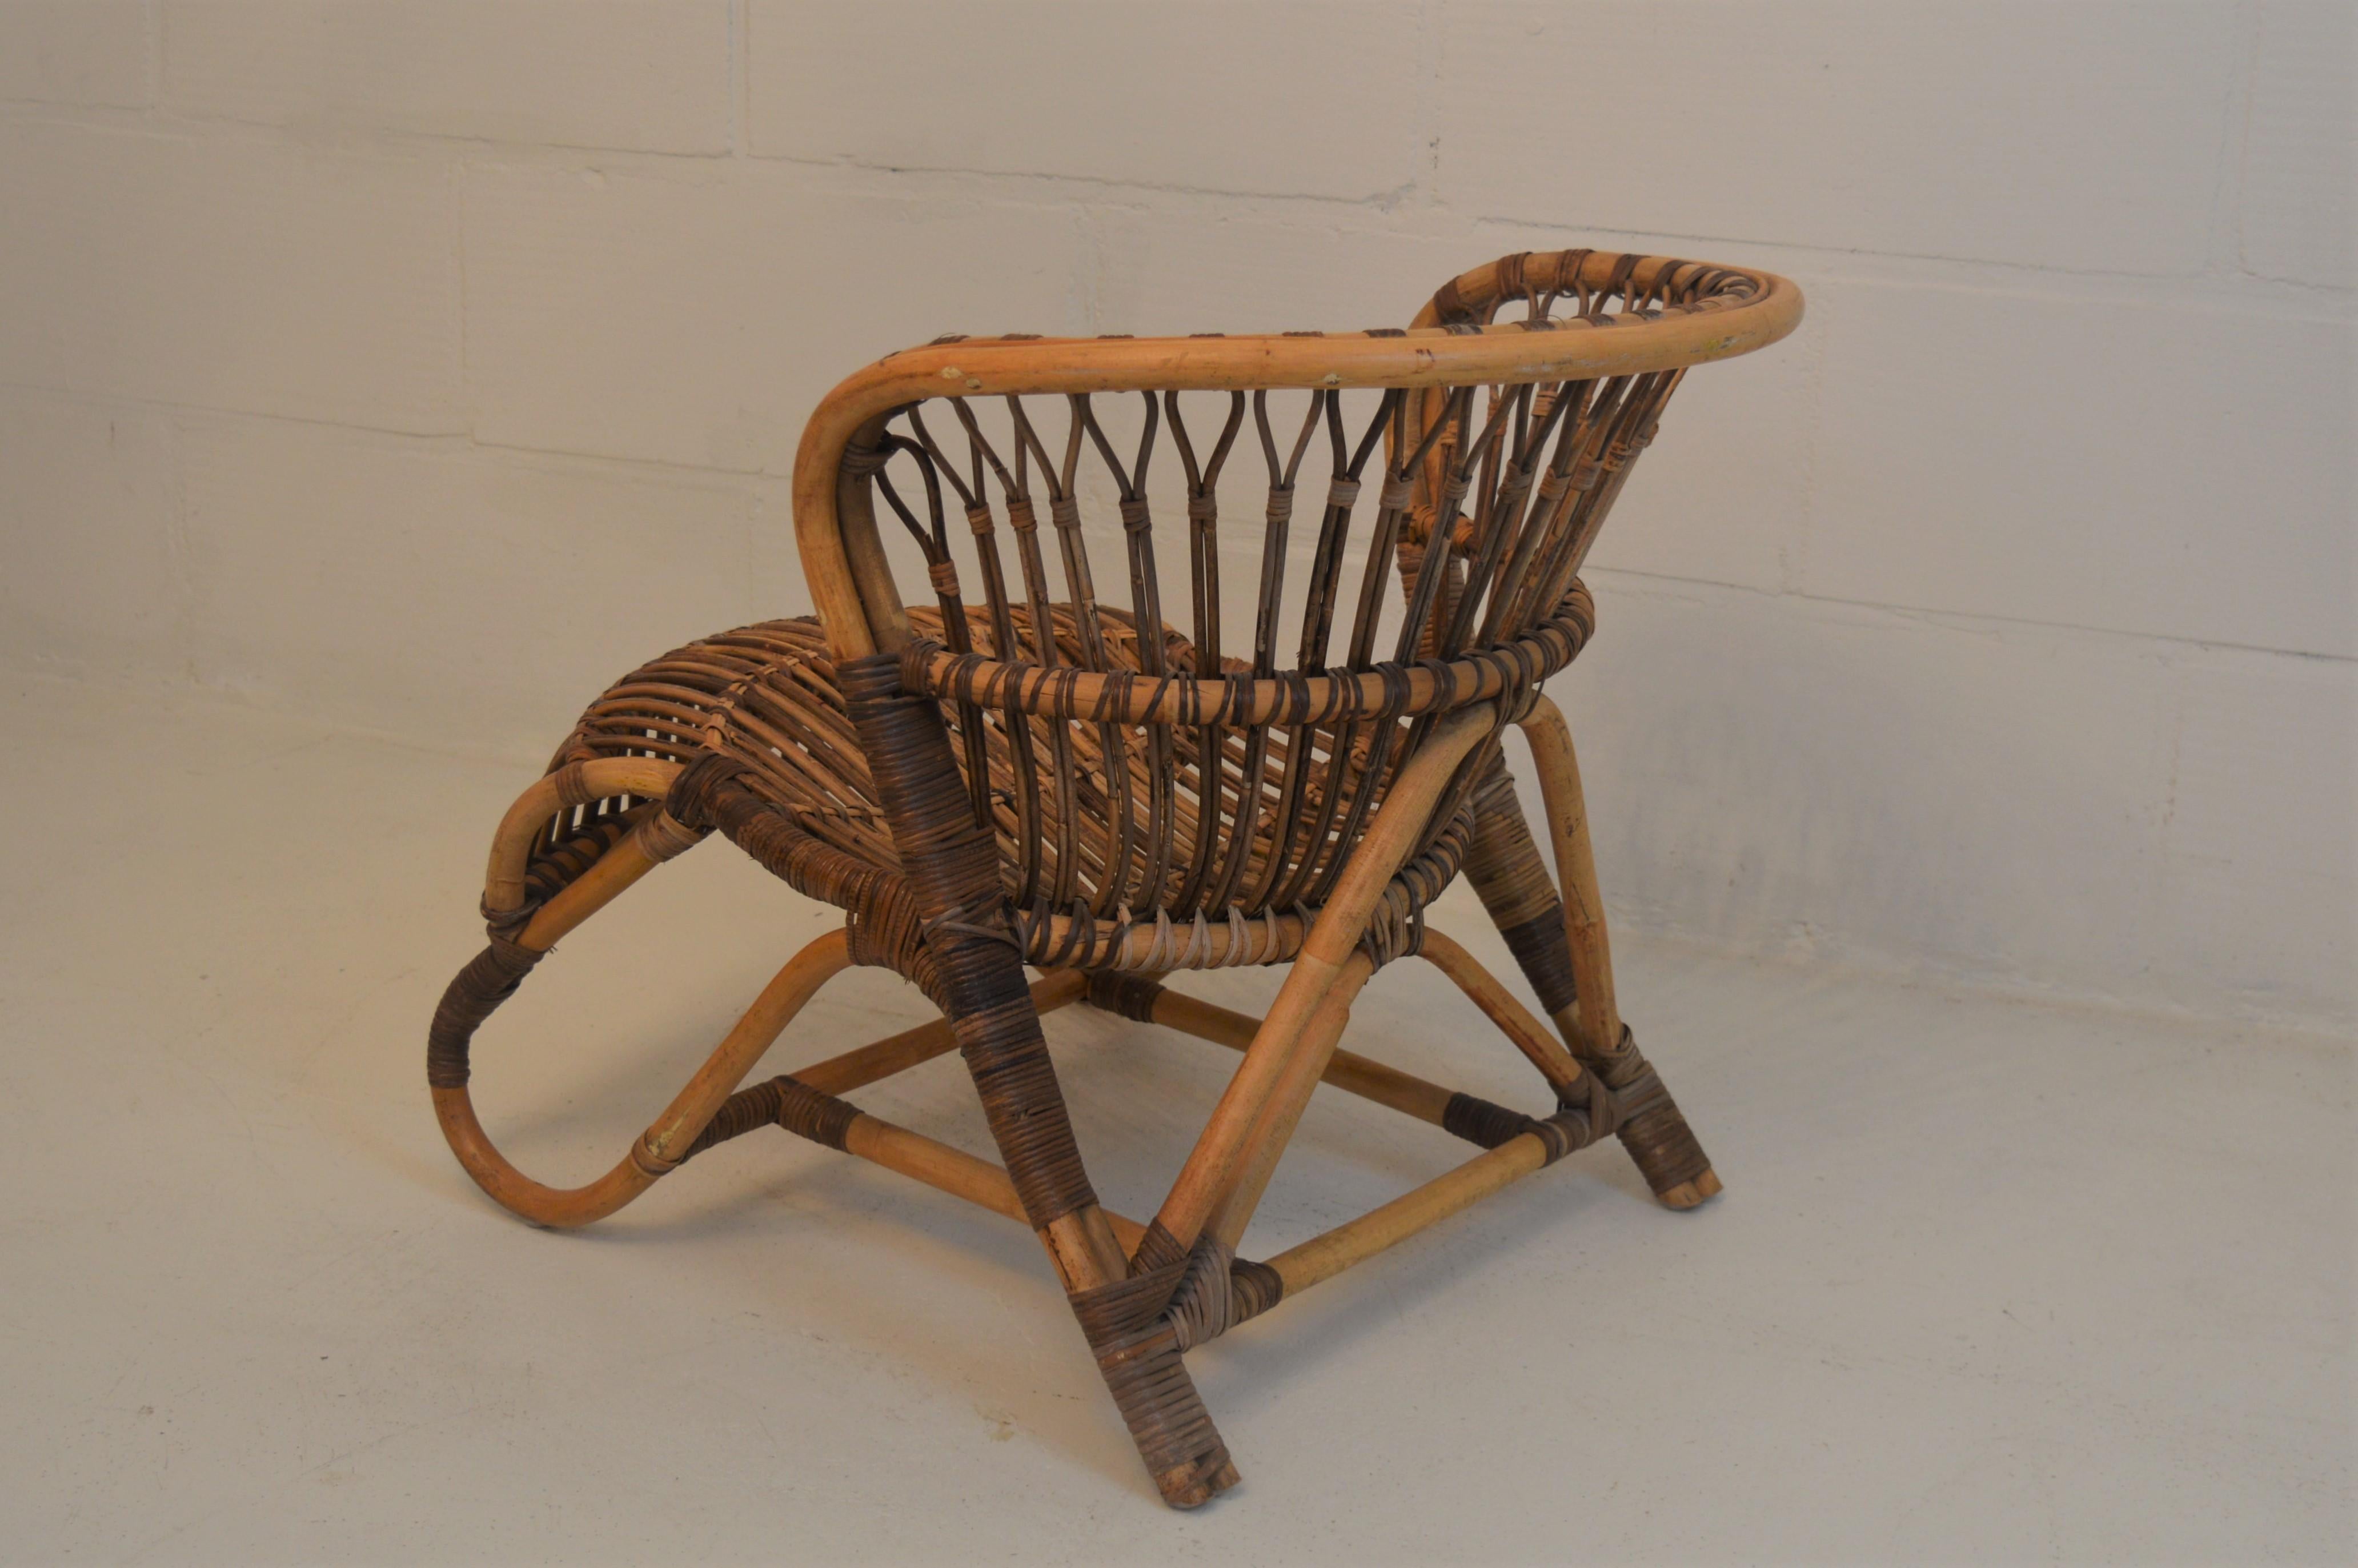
[763,697]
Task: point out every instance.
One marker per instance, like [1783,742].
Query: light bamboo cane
[1217,1163]
[504,885]
[952,1170]
[1273,1129]
[899,1052]
[1503,1007]
[1597,1018]
[1346,1070]
[667,1138]
[1325,1256]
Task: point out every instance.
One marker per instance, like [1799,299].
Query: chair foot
[1140,1329]
[1653,1129]
[1144,1372]
[1190,1487]
[1693,1194]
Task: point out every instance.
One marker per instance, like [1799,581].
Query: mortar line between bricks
[1388,203]
[1950,619]
[446,440]
[755,478]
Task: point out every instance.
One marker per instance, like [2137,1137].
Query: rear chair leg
[1561,944]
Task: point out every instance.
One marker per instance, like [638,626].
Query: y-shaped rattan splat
[1057,776]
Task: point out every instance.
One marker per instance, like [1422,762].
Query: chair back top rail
[1638,321]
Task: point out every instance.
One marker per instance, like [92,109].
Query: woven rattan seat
[764,696]
[1035,769]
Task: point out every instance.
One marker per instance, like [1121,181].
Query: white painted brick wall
[1318,98]
[2257,824]
[422,366]
[2299,144]
[2086,136]
[578,74]
[2077,459]
[489,581]
[93,578]
[1831,770]
[231,272]
[694,314]
[89,52]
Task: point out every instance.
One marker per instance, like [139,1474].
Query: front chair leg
[974,971]
[997,1026]
[1561,944]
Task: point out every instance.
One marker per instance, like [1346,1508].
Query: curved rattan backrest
[1150,732]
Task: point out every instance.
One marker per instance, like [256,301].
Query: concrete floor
[1992,1281]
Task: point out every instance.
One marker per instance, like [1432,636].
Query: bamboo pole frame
[847,785]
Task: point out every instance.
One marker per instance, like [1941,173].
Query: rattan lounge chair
[1042,778]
